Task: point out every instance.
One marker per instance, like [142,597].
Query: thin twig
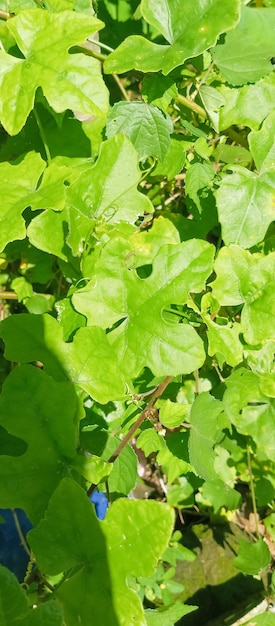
[144,414]
[100,44]
[4,15]
[197,382]
[121,87]
[21,536]
[8,295]
[159,391]
[252,490]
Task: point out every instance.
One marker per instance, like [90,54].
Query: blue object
[12,554]
[101,503]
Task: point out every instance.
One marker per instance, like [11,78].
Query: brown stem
[4,15]
[144,414]
[8,295]
[159,391]
[121,87]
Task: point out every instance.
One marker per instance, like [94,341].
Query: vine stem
[21,536]
[144,414]
[252,489]
[193,106]
[4,15]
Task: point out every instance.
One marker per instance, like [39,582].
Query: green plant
[138,258]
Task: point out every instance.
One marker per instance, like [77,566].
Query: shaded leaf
[129,541]
[47,422]
[14,605]
[89,361]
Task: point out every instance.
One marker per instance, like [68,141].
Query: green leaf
[250,410]
[103,192]
[168,616]
[14,605]
[172,163]
[252,557]
[262,145]
[189,33]
[115,294]
[244,278]
[264,619]
[220,494]
[246,217]
[68,81]
[18,187]
[47,422]
[224,341]
[174,456]
[249,105]
[171,414]
[145,244]
[123,476]
[212,101]
[145,125]
[89,361]
[207,422]
[69,319]
[159,90]
[244,56]
[198,181]
[129,542]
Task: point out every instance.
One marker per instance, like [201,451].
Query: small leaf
[207,422]
[18,188]
[168,616]
[262,145]
[220,494]
[252,557]
[145,125]
[103,192]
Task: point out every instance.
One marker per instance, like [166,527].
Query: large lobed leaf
[117,294]
[190,28]
[68,81]
[42,413]
[130,541]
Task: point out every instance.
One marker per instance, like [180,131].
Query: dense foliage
[137,296]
